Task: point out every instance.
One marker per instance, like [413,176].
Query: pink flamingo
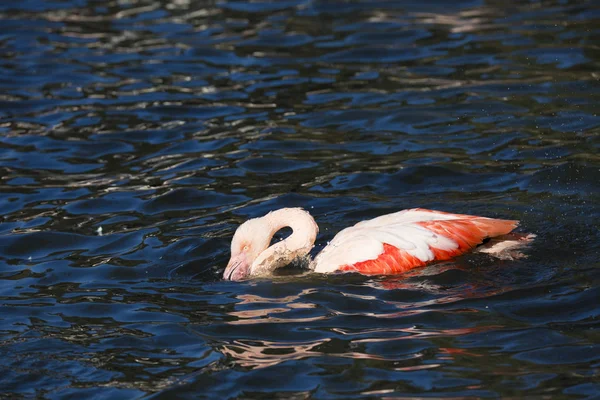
[389,244]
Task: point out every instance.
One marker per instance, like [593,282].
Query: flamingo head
[249,241]
[251,252]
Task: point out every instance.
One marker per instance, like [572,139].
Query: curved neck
[298,244]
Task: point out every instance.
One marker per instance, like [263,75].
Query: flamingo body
[389,244]
[395,243]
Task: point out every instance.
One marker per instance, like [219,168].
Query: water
[135,135]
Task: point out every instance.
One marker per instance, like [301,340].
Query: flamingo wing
[398,242]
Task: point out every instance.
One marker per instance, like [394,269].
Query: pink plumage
[465,231]
[389,244]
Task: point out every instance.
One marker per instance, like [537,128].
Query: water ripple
[136,135]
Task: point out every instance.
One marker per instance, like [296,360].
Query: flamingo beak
[238,267]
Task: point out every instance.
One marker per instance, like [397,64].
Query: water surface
[136,135]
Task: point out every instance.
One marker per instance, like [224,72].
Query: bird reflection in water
[350,343]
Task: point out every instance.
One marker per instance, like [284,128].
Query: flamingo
[389,244]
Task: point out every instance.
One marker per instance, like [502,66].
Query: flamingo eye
[246,247]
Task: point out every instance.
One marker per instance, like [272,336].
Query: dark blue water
[135,135]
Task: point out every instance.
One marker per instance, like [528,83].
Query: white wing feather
[364,241]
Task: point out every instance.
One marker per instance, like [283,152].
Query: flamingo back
[398,242]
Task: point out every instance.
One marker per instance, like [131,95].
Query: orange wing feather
[392,261]
[467,232]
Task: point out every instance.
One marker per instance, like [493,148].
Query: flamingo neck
[297,245]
